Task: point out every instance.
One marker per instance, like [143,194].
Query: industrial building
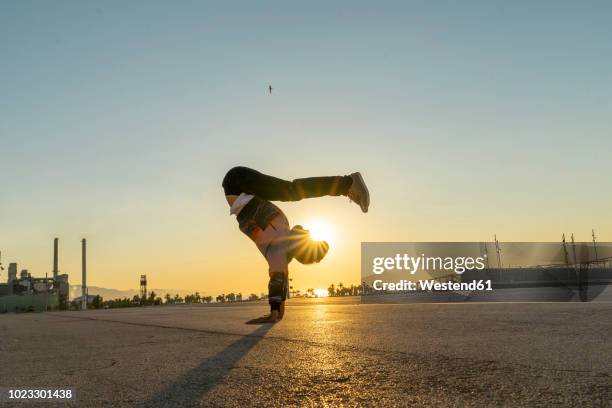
[28,293]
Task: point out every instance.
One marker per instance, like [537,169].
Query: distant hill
[108,294]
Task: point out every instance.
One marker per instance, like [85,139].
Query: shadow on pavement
[189,389]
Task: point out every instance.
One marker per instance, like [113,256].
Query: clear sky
[119,119]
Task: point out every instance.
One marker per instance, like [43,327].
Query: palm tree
[331,291]
[97,302]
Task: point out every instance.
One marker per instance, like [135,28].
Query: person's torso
[257,214]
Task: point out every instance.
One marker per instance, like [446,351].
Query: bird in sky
[270,89]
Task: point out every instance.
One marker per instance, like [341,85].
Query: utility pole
[565,250]
[594,243]
[498,250]
[574,250]
[486,254]
[84,276]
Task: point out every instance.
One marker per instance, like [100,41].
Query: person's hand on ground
[271,318]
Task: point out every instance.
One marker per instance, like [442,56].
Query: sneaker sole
[367,193]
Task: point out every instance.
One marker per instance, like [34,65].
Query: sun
[320,292]
[320,230]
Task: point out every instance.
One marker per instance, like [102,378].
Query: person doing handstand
[249,194]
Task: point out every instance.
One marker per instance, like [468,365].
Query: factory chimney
[55,258]
[84,267]
[12,272]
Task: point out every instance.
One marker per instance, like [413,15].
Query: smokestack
[84,268]
[55,258]
[12,276]
[12,272]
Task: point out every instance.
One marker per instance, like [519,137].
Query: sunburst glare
[320,230]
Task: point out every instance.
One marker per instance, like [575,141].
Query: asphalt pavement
[325,352]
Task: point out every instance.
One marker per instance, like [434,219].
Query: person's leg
[245,180]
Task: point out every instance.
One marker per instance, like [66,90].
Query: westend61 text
[406,285]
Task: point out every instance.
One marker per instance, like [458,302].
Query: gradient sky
[119,119]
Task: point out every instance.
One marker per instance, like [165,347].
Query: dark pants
[245,180]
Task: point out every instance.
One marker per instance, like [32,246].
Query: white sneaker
[358,192]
